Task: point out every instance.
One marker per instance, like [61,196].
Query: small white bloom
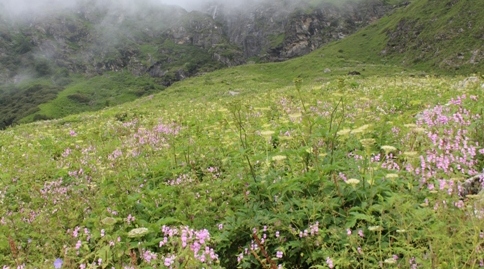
[390,261]
[375,228]
[388,149]
[391,176]
[267,133]
[138,232]
[279,158]
[352,181]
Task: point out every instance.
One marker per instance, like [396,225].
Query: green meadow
[257,166]
[277,165]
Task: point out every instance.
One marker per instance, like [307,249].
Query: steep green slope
[430,35]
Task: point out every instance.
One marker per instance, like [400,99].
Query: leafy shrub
[42,67]
[79,98]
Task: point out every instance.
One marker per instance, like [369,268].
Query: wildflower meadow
[346,172]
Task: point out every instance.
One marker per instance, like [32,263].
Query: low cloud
[25,8]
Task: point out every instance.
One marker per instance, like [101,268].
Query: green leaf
[168,221]
[104,253]
[375,207]
[355,216]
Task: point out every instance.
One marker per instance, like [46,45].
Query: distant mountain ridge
[43,54]
[93,54]
[92,39]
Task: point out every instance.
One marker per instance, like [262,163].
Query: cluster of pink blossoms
[195,240]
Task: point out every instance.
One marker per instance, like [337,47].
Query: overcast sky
[38,7]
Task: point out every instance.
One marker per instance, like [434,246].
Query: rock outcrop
[279,30]
[170,43]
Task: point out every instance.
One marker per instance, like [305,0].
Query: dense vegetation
[278,165]
[341,171]
[96,54]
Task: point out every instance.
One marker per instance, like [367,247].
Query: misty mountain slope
[280,30]
[93,38]
[42,54]
[430,35]
[96,39]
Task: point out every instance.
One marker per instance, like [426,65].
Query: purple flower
[78,244]
[279,254]
[203,235]
[329,262]
[240,257]
[58,263]
[148,256]
[169,260]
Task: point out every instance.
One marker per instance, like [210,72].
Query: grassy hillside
[428,35]
[94,94]
[91,94]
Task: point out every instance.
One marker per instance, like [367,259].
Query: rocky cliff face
[170,43]
[279,30]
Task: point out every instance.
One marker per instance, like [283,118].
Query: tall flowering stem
[134,258]
[236,111]
[264,252]
[13,249]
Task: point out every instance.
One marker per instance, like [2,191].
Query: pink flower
[75,233]
[148,256]
[279,254]
[459,204]
[329,262]
[169,260]
[78,244]
[184,239]
[203,235]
